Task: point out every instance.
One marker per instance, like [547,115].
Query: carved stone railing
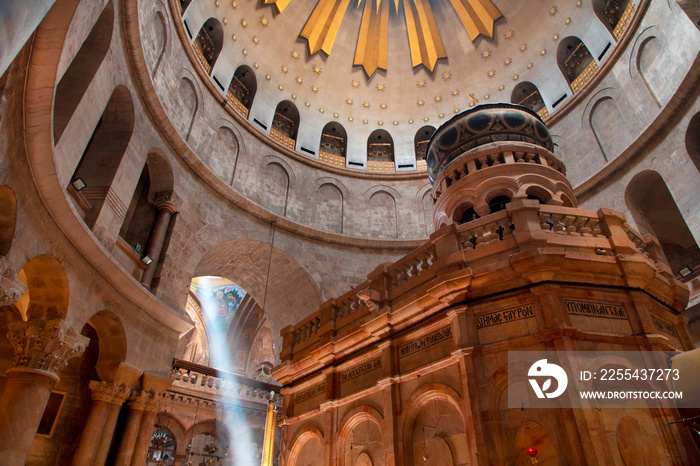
[484,231]
[236,104]
[283,139]
[212,383]
[382,167]
[412,265]
[625,20]
[585,75]
[565,221]
[331,159]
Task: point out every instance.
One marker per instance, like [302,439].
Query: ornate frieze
[45,345]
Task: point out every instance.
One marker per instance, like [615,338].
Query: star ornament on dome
[383,106]
[244,23]
[355,83]
[421,83]
[507,61]
[314,89]
[509,34]
[284,69]
[553,11]
[438,98]
[349,101]
[234,4]
[264,21]
[317,69]
[523,47]
[381,87]
[491,73]
[295,55]
[455,93]
[446,76]
[420,102]
[486,54]
[256,40]
[366,104]
[300,80]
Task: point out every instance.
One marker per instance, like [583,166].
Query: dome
[481,125]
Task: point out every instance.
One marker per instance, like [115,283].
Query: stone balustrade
[522,226]
[215,383]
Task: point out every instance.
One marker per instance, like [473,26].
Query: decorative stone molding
[45,345]
[11,289]
[164,201]
[110,392]
[142,400]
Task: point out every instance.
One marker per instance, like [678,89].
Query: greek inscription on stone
[362,369]
[425,341]
[505,316]
[310,393]
[583,308]
[664,326]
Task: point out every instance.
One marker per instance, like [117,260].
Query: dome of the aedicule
[481,125]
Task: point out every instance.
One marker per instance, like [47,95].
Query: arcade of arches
[220,222]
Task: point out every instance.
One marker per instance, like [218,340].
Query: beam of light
[240,442]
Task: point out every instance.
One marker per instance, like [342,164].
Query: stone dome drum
[481,125]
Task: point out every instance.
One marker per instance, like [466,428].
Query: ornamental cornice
[45,345]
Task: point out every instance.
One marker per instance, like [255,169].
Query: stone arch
[330,204]
[642,45]
[635,444]
[209,43]
[609,15]
[334,139]
[420,141]
[279,179]
[47,289]
[111,337]
[174,427]
[452,446]
[8,218]
[155,183]
[186,104]
[285,124]
[558,143]
[304,443]
[350,423]
[243,87]
[161,29]
[573,59]
[81,71]
[104,152]
[291,292]
[603,117]
[655,212]
[380,146]
[692,141]
[384,222]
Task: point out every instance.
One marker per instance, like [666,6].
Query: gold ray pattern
[477,16]
[280,5]
[373,42]
[321,28]
[423,34]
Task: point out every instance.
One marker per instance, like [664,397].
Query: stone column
[104,395]
[42,350]
[137,404]
[120,393]
[143,439]
[166,209]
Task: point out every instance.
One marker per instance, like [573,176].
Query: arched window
[93,177]
[380,151]
[141,215]
[692,140]
[527,95]
[464,213]
[285,124]
[81,71]
[163,446]
[654,211]
[538,193]
[334,144]
[420,144]
[209,43]
[241,90]
[614,14]
[183,6]
[498,203]
[575,62]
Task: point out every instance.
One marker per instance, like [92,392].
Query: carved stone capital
[11,289]
[109,392]
[142,400]
[164,201]
[45,345]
